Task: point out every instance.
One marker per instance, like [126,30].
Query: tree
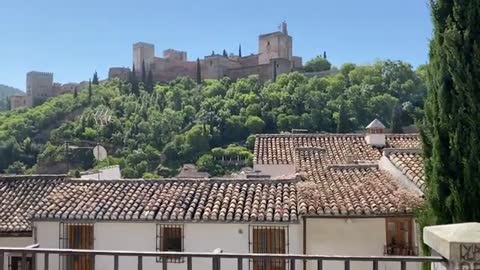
[397,119]
[144,72]
[225,53]
[95,78]
[9,103]
[342,122]
[199,72]
[89,91]
[133,81]
[240,50]
[317,64]
[75,92]
[16,167]
[255,124]
[450,130]
[324,54]
[149,83]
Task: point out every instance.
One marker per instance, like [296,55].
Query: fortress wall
[167,70]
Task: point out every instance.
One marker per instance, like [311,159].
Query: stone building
[18,101]
[40,87]
[274,57]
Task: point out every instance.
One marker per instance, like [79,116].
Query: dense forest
[151,130]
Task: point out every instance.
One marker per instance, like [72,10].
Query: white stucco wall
[275,170]
[353,237]
[141,236]
[14,242]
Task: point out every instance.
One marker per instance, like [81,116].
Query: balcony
[44,259]
[401,250]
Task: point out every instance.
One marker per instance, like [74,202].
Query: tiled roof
[18,196]
[341,148]
[186,200]
[349,189]
[411,164]
[403,141]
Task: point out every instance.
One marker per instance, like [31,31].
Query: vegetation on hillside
[153,130]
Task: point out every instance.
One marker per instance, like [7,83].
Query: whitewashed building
[342,202]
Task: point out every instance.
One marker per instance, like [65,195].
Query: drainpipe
[304,241]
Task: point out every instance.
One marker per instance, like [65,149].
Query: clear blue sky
[72,39]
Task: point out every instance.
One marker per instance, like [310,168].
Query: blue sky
[72,39]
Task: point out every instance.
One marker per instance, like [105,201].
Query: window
[269,239]
[76,236]
[16,263]
[400,239]
[170,238]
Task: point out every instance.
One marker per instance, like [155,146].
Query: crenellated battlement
[274,57]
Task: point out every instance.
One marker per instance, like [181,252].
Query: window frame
[64,243]
[286,245]
[408,248]
[160,238]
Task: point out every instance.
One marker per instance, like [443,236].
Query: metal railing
[216,258]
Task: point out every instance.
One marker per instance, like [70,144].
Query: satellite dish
[99,153]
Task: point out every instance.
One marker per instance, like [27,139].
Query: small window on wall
[400,238]
[170,239]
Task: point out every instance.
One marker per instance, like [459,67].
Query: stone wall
[165,70]
[18,101]
[119,72]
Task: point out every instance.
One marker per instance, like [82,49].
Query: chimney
[284,28]
[375,135]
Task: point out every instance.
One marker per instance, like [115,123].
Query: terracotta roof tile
[403,141]
[339,148]
[411,164]
[189,200]
[349,189]
[19,197]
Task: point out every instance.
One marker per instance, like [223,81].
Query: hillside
[5,92]
[153,130]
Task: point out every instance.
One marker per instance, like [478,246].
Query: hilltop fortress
[274,57]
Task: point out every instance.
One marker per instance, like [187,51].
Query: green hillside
[5,92]
[151,131]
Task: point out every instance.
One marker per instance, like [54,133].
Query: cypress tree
[342,124]
[149,83]
[9,103]
[95,78]
[144,72]
[240,50]
[397,114]
[199,72]
[89,91]
[133,81]
[324,54]
[451,130]
[75,93]
[225,53]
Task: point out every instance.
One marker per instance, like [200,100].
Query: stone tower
[275,45]
[143,53]
[39,87]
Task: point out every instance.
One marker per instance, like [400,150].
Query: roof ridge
[388,151]
[352,166]
[186,180]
